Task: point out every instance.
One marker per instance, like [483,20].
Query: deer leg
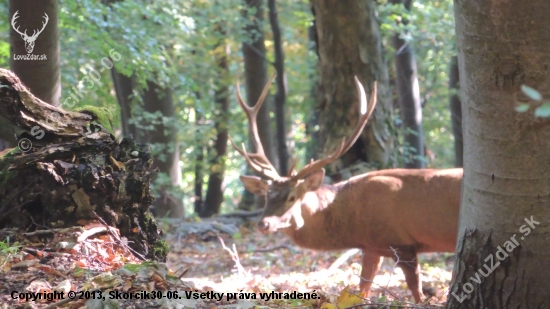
[371,264]
[409,264]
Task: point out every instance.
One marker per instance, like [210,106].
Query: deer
[394,213]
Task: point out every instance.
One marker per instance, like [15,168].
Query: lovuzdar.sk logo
[29,39]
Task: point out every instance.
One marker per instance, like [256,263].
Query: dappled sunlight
[286,267]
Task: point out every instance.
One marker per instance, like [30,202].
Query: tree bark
[124,89]
[313,121]
[199,162]
[156,98]
[280,95]
[456,112]
[502,247]
[73,170]
[214,193]
[408,94]
[41,76]
[255,71]
[349,44]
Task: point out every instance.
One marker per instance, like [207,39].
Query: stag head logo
[29,40]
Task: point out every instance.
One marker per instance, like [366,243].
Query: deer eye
[291,199]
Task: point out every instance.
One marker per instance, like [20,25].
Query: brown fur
[394,213]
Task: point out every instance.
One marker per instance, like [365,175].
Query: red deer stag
[395,213]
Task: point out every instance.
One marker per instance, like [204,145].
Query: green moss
[10,153]
[5,161]
[148,217]
[160,249]
[100,114]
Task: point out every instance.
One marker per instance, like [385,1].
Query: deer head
[29,40]
[285,194]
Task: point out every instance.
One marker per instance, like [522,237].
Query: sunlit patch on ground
[286,267]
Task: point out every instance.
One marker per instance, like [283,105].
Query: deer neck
[312,219]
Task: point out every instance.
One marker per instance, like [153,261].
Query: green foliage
[542,111]
[7,249]
[178,45]
[430,29]
[531,93]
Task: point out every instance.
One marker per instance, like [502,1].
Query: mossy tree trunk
[68,167]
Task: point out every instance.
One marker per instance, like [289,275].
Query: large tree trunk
[75,172]
[156,98]
[408,94]
[349,44]
[255,71]
[41,75]
[456,110]
[280,95]
[503,247]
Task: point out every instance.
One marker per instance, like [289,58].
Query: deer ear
[254,184]
[314,180]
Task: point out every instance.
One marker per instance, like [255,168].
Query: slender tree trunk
[156,98]
[502,247]
[255,71]
[349,44]
[214,193]
[456,112]
[280,95]
[123,90]
[199,162]
[408,94]
[313,121]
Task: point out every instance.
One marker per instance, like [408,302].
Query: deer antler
[258,160]
[345,145]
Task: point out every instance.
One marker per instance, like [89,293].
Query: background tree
[155,103]
[502,236]
[280,95]
[173,48]
[456,111]
[39,18]
[408,94]
[255,71]
[214,194]
[349,43]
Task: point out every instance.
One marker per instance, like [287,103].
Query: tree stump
[68,169]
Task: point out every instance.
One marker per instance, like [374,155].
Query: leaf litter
[211,264]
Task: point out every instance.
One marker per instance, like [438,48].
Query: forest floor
[254,262]
[219,263]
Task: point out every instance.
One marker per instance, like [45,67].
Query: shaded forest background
[180,61]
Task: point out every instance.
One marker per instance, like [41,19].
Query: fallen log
[68,169]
